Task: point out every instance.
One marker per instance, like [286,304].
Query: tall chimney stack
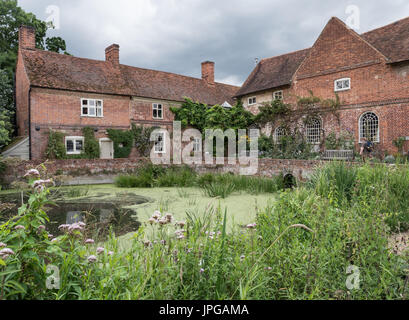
[112,53]
[208,71]
[27,37]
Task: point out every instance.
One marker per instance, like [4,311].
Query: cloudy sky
[177,35]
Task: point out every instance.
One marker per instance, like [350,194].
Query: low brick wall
[300,169]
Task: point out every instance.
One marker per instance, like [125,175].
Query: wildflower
[268,268]
[2,245]
[251,226]
[41,228]
[181,237]
[152,221]
[202,270]
[54,240]
[163,242]
[110,253]
[169,217]
[19,227]
[5,253]
[89,241]
[81,224]
[76,227]
[189,250]
[63,227]
[156,215]
[92,259]
[50,236]
[147,243]
[32,173]
[242,257]
[100,250]
[181,224]
[163,221]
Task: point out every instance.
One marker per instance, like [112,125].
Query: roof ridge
[125,65]
[385,26]
[284,54]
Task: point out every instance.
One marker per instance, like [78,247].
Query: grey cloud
[176,35]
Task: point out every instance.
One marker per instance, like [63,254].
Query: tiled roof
[391,40]
[57,71]
[273,72]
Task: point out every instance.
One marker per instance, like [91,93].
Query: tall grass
[214,185]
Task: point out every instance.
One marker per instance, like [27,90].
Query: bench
[338,155]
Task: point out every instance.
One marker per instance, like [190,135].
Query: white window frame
[276,135]
[361,135]
[281,92]
[95,101]
[158,107]
[308,129]
[74,139]
[163,147]
[252,99]
[336,89]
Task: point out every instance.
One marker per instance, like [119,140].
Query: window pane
[84,102]
[92,111]
[160,113]
[85,111]
[91,103]
[78,145]
[155,113]
[70,146]
[99,103]
[99,112]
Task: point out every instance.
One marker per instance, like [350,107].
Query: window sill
[84,116]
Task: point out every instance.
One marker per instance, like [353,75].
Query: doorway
[106,148]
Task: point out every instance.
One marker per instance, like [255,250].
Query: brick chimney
[112,53]
[208,71]
[27,37]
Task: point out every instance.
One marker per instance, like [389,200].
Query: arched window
[369,127]
[279,133]
[313,131]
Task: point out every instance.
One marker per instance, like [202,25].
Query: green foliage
[55,147]
[398,143]
[345,141]
[6,109]
[201,117]
[218,190]
[91,145]
[272,111]
[56,44]
[142,136]
[123,142]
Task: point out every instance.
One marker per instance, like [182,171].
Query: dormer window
[342,84]
[278,95]
[252,100]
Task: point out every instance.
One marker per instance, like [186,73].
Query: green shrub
[123,142]
[91,145]
[55,147]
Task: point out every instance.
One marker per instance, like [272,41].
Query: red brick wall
[61,111]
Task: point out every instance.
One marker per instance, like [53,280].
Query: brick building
[369,72]
[66,94]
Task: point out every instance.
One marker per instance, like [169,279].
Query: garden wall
[16,169]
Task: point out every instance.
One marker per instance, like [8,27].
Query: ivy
[123,142]
[91,145]
[142,138]
[55,148]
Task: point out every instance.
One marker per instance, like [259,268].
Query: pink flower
[92,259]
[89,241]
[251,226]
[156,215]
[41,228]
[163,221]
[32,173]
[163,242]
[6,251]
[50,236]
[100,250]
[63,227]
[110,253]
[2,245]
[20,228]
[147,243]
[169,217]
[202,270]
[54,240]
[152,221]
[181,224]
[242,258]
[76,227]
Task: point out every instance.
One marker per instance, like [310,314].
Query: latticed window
[369,127]
[313,131]
[279,133]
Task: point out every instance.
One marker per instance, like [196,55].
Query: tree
[11,18]
[6,109]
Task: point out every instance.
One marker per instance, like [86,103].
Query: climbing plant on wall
[91,145]
[123,142]
[55,147]
[142,139]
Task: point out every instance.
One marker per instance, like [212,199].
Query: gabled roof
[273,72]
[392,41]
[57,71]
